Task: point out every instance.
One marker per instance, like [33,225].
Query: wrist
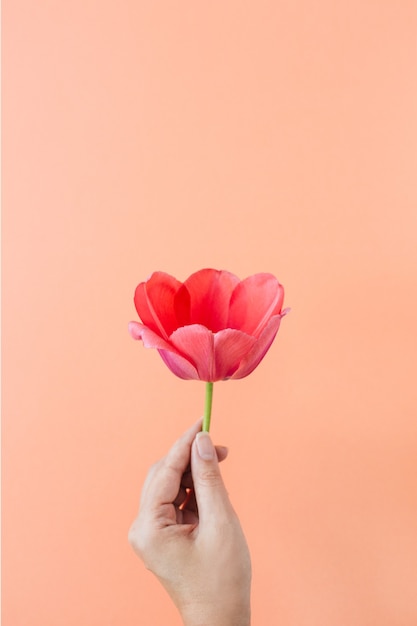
[201,621]
[204,616]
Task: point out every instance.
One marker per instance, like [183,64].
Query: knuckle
[144,544]
[133,536]
[137,537]
[210,476]
[154,468]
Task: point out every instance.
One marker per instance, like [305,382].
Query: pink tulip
[211,327]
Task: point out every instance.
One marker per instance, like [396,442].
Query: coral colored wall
[252,136]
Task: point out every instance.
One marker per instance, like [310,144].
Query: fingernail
[205,447]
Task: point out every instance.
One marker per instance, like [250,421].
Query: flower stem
[207,407]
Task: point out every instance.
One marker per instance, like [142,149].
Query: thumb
[210,493]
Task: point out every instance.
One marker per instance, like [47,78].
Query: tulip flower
[212,327]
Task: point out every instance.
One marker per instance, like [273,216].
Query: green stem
[207,407]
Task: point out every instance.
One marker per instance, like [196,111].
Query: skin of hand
[189,536]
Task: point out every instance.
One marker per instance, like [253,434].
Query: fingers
[169,491]
[173,473]
[164,479]
[210,492]
[187,479]
[222,453]
[168,495]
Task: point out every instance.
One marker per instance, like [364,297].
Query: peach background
[272,136]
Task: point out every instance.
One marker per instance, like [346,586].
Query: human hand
[189,536]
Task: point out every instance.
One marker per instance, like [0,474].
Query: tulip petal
[254,301]
[154,302]
[196,344]
[260,348]
[135,330]
[177,363]
[211,327]
[230,347]
[182,303]
[150,338]
[210,292]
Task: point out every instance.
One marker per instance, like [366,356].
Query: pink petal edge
[177,363]
[259,350]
